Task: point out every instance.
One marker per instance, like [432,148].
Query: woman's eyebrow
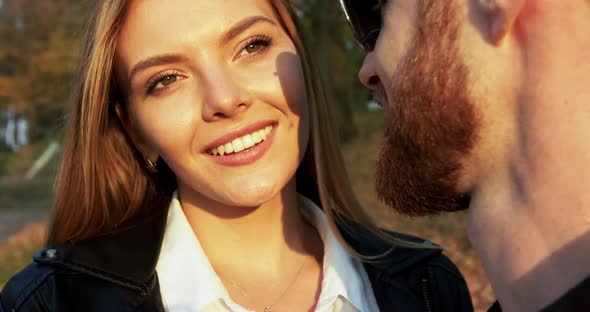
[233,32]
[156,61]
[242,26]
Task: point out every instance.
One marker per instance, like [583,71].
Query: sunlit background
[39,47]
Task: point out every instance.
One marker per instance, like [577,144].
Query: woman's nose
[367,74]
[225,96]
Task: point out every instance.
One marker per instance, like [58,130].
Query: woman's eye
[162,82]
[168,80]
[255,46]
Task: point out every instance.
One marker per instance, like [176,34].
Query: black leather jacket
[116,272]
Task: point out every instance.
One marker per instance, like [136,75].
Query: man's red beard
[432,123]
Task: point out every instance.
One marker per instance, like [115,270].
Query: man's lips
[379,102]
[379,99]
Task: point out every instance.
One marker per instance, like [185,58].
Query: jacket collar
[392,259]
[129,255]
[126,256]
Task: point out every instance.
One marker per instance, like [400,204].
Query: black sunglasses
[364,17]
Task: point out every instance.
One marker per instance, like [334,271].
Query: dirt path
[12,222]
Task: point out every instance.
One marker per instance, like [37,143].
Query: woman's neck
[266,238]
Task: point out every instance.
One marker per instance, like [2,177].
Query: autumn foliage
[38,56]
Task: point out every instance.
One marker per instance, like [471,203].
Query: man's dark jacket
[117,272]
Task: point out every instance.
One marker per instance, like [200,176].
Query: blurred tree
[38,55]
[338,57]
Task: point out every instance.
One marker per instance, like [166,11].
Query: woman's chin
[249,192]
[249,200]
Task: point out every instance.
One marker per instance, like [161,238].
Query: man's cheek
[399,30]
[385,69]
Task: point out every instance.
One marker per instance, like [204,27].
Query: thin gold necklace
[268,308]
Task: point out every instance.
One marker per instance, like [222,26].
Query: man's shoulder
[576,299]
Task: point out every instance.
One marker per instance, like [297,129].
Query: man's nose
[368,74]
[225,96]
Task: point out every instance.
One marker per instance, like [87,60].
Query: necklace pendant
[267,309]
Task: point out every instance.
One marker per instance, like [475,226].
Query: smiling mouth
[242,143]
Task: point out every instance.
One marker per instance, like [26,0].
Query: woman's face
[215,88]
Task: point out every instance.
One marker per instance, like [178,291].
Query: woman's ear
[139,143]
[501,17]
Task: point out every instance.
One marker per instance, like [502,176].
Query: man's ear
[133,134]
[501,17]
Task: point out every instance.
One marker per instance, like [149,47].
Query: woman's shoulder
[395,262]
[418,280]
[111,270]
[25,290]
[52,283]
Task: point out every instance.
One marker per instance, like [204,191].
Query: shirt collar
[189,282]
[187,279]
[343,276]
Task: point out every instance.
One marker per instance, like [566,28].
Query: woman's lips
[240,144]
[229,137]
[244,146]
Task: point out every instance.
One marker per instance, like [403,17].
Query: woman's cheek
[169,122]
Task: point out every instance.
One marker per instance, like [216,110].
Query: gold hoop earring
[152,166]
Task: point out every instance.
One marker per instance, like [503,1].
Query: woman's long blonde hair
[103,181]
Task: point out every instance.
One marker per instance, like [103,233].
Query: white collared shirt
[188,282]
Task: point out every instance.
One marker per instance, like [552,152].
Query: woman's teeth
[241,144]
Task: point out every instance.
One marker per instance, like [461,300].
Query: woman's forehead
[152,26]
[206,15]
[205,9]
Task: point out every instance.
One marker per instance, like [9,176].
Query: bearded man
[487,106]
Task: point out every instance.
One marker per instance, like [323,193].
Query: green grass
[17,193]
[17,164]
[26,195]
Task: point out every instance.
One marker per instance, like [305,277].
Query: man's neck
[529,218]
[531,259]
